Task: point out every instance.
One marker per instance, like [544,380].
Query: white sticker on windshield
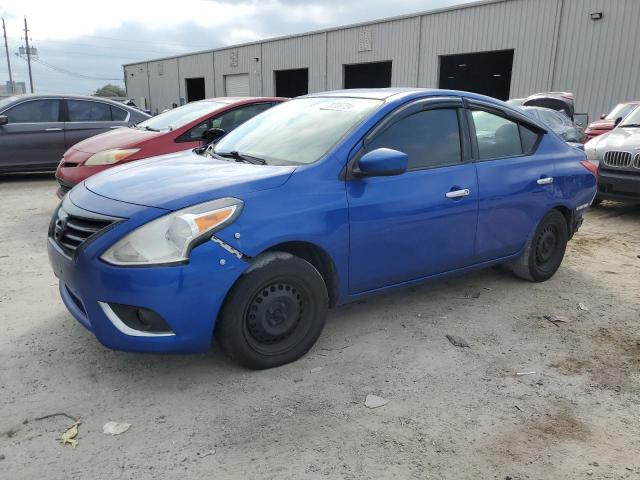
[338,106]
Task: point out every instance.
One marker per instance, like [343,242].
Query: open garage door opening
[367,75]
[488,73]
[195,89]
[292,83]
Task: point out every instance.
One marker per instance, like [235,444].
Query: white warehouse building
[502,48]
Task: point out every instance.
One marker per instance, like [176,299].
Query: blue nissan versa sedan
[311,204]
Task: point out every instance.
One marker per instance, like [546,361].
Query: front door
[34,137]
[422,222]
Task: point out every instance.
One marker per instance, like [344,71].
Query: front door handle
[545,180]
[56,129]
[458,193]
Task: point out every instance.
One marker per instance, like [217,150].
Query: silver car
[617,154]
[35,130]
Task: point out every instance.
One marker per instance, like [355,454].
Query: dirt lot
[453,413]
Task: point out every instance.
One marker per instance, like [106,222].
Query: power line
[68,72]
[100,46]
[87,54]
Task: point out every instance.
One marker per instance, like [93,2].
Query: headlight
[170,238]
[591,151]
[110,156]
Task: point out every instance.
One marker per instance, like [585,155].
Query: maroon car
[610,120]
[182,128]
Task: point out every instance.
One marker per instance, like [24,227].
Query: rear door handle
[56,129]
[545,180]
[458,193]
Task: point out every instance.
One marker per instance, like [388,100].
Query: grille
[71,227]
[636,161]
[618,159]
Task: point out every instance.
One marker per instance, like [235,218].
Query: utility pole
[6,48]
[26,39]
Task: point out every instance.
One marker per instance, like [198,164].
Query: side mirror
[212,135]
[382,162]
[603,116]
[4,119]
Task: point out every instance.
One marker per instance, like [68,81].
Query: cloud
[94,39]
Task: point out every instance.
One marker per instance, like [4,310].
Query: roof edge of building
[462,6]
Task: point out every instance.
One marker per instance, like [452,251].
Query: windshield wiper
[632,125]
[238,157]
[147,127]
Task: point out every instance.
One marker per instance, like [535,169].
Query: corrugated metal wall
[599,60]
[137,83]
[396,41]
[238,60]
[556,47]
[308,51]
[163,84]
[523,25]
[199,65]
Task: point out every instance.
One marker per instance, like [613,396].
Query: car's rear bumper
[619,185]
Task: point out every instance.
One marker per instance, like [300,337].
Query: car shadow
[26,177]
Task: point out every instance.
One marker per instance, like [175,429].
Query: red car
[181,128]
[608,121]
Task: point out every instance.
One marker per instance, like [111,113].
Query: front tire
[274,313]
[545,250]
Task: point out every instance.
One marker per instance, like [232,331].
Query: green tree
[110,90]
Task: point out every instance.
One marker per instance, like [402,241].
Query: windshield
[180,116]
[620,111]
[299,131]
[6,101]
[633,119]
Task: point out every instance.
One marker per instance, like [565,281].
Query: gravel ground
[453,413]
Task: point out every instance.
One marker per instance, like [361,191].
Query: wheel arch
[316,256]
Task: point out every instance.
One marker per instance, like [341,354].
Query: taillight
[591,167]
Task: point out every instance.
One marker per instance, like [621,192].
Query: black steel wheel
[545,250]
[275,312]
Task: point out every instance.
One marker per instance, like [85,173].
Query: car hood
[117,138]
[601,125]
[627,139]
[182,179]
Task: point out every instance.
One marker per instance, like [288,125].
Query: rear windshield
[180,116]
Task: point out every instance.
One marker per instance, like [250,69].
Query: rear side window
[118,114]
[500,137]
[430,138]
[87,111]
[34,111]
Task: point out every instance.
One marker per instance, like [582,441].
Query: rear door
[423,221]
[515,184]
[86,118]
[34,136]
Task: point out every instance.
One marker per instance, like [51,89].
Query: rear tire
[274,313]
[545,249]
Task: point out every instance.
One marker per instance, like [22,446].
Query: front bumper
[188,297]
[619,185]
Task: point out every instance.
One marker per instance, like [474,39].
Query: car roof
[231,100]
[32,96]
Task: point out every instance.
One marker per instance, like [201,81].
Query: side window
[118,114]
[234,118]
[430,138]
[529,139]
[87,111]
[497,136]
[196,132]
[35,111]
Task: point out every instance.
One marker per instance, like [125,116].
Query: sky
[82,44]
